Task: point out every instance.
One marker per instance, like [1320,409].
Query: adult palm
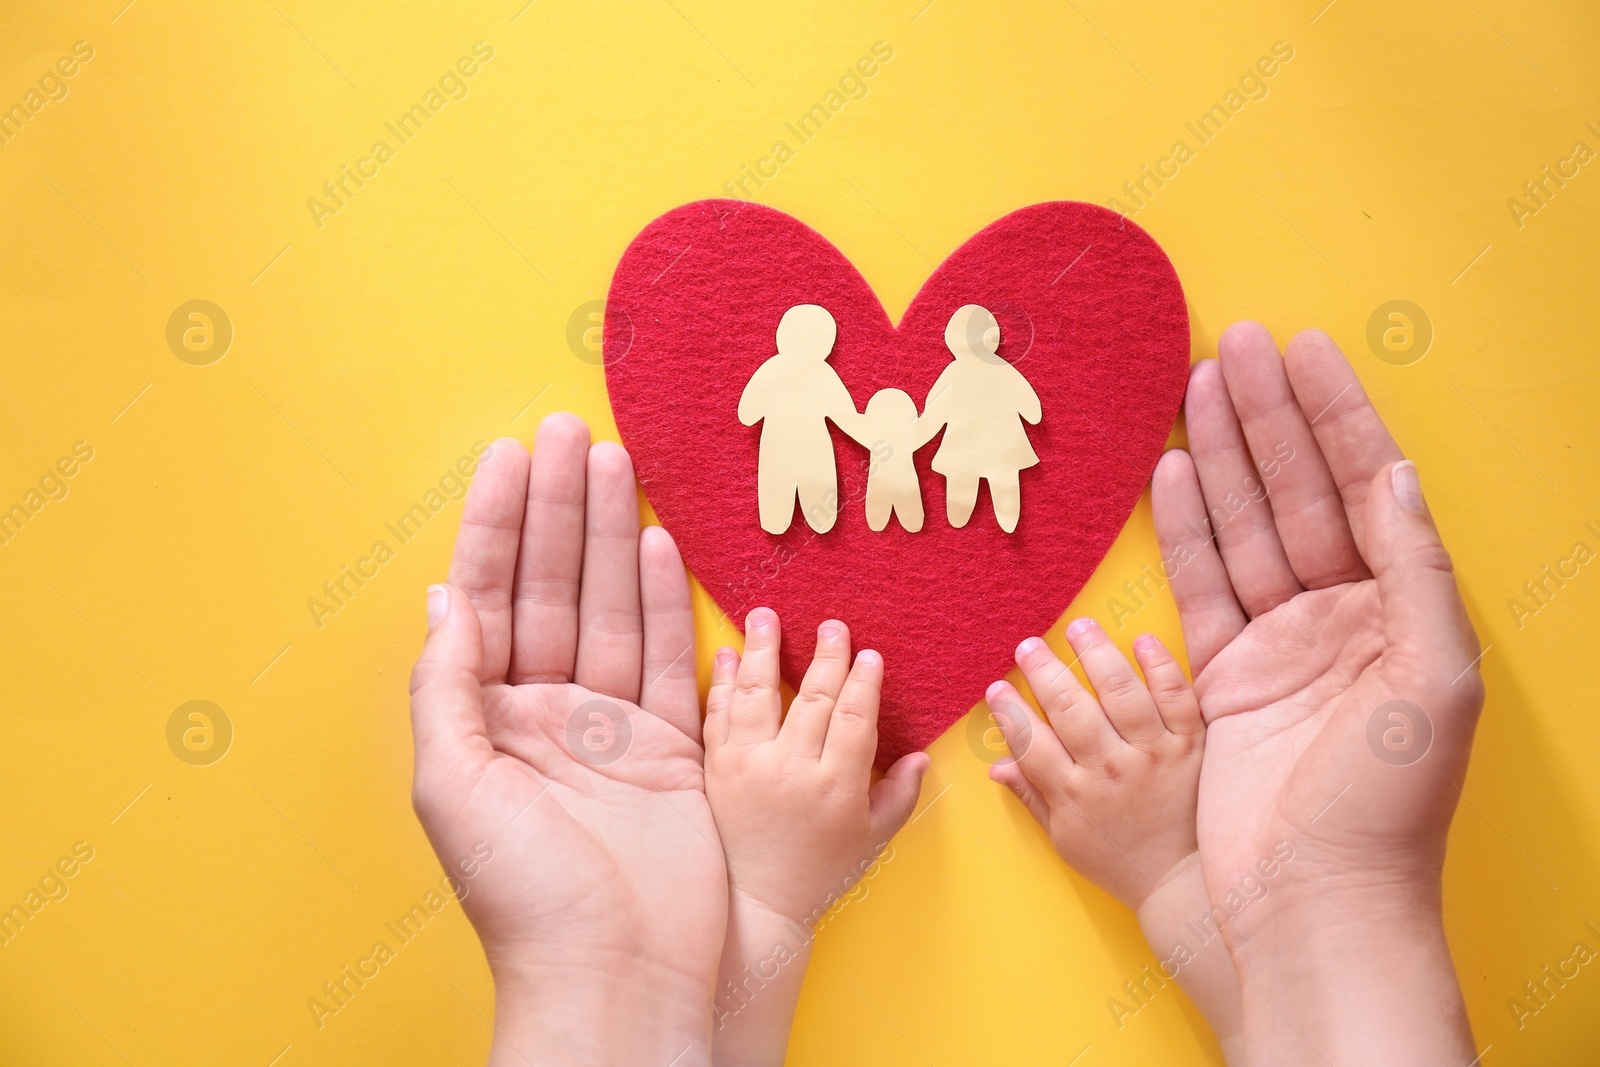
[556,718]
[1332,655]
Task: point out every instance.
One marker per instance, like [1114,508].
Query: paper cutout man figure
[982,401]
[891,424]
[793,395]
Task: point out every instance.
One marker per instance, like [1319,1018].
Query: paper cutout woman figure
[793,395]
[982,401]
[892,425]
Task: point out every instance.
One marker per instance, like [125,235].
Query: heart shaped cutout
[1090,312]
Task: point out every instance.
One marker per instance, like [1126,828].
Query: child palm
[799,815]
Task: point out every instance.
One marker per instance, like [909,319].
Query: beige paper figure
[982,401]
[793,395]
[892,425]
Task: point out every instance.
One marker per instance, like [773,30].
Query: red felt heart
[1090,312]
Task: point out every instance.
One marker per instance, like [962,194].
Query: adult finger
[1240,515]
[1431,648]
[545,617]
[485,558]
[447,726]
[1306,505]
[1352,437]
[1209,611]
[1075,716]
[757,700]
[1121,692]
[852,739]
[1174,696]
[806,725]
[610,627]
[669,688]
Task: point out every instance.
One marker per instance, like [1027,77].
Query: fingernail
[759,620]
[867,658]
[486,455]
[1080,627]
[438,603]
[723,657]
[995,691]
[1407,487]
[830,629]
[1029,646]
[1146,643]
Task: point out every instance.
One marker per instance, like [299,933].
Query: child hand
[798,814]
[1115,782]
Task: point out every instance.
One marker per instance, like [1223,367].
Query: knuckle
[1432,556]
[674,670]
[813,692]
[1170,686]
[849,711]
[614,623]
[751,687]
[424,674]
[547,592]
[1063,707]
[1118,687]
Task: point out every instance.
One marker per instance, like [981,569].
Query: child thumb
[892,798]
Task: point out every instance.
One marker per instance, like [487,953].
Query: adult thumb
[447,723]
[1431,648]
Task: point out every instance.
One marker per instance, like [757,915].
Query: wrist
[609,1009]
[764,960]
[1181,927]
[1377,953]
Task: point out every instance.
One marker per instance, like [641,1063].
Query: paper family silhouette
[980,401]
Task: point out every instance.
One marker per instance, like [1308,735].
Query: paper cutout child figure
[982,401]
[793,395]
[892,425]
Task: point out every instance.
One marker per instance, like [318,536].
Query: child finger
[852,739]
[1121,693]
[1035,748]
[1174,696]
[724,672]
[892,799]
[806,725]
[1074,714]
[757,703]
[1011,776]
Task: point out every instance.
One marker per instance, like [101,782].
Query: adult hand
[1336,669]
[557,724]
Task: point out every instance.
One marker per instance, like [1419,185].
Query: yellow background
[432,311]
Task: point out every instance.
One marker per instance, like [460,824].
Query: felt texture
[1091,313]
